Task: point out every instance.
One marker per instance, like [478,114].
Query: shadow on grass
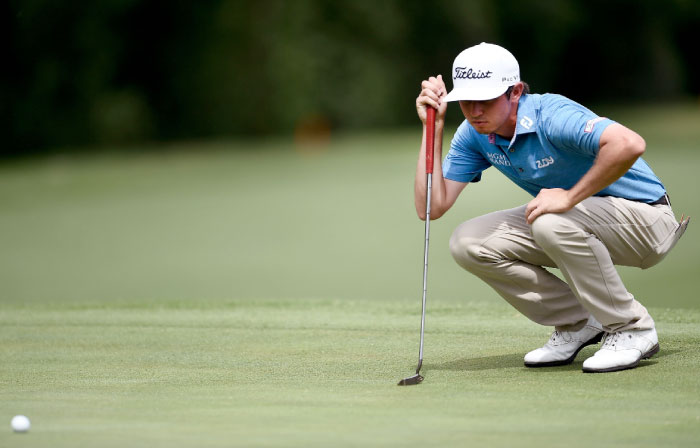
[515,360]
[666,352]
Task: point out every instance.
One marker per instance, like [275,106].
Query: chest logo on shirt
[543,163]
[498,159]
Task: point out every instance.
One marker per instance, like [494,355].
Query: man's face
[490,116]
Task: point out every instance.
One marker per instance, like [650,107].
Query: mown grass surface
[262,293]
[323,373]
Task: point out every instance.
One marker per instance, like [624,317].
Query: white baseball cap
[483,72]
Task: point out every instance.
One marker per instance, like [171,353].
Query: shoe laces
[554,336]
[611,339]
[561,335]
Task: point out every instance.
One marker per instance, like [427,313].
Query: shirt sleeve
[573,127]
[464,163]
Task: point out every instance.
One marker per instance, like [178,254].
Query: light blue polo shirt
[555,143]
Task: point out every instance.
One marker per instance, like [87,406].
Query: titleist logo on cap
[483,72]
[465,73]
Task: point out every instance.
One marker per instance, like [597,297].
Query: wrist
[572,198]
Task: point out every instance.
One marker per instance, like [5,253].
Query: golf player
[596,204]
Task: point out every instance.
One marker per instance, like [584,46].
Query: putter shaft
[425,271]
[429,147]
[417,378]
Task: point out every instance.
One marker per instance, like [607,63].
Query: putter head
[411,380]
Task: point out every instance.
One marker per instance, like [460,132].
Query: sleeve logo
[590,124]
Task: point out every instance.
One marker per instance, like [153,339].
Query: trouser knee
[549,230]
[467,250]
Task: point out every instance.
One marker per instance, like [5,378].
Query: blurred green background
[276,220]
[225,149]
[117,72]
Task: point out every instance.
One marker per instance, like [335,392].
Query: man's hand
[549,200]
[433,91]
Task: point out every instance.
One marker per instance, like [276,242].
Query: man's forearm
[613,161]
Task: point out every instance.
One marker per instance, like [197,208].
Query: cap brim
[466,94]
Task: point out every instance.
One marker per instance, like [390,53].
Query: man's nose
[476,109]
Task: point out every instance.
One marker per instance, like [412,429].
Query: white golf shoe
[623,350]
[563,346]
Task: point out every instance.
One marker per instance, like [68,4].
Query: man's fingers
[533,215]
[530,217]
[530,206]
[431,84]
[443,88]
[432,92]
[424,101]
[434,84]
[428,97]
[531,211]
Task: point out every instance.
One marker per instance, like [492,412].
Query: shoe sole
[594,340]
[654,350]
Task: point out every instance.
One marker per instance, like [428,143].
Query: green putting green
[324,373]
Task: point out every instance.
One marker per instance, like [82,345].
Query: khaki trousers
[585,243]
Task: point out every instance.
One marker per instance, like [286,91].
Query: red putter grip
[429,140]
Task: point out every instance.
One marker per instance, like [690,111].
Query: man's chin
[482,128]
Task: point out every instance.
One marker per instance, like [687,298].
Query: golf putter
[429,141]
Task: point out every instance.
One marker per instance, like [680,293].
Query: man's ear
[517,91]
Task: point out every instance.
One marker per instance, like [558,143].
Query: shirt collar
[527,116]
[525,122]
